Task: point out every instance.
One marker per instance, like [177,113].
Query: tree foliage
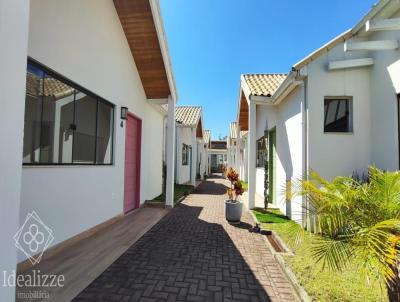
[358,221]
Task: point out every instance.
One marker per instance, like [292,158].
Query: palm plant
[357,222]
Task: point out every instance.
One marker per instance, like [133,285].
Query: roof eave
[326,47]
[371,14]
[285,88]
[159,24]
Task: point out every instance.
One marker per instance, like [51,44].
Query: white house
[81,118]
[191,154]
[218,156]
[231,145]
[207,147]
[335,112]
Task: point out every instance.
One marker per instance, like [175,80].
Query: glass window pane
[342,109]
[105,116]
[57,118]
[61,122]
[330,111]
[337,115]
[33,113]
[85,129]
[184,154]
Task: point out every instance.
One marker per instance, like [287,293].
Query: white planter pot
[233,211]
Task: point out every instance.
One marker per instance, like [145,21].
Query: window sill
[30,166]
[344,133]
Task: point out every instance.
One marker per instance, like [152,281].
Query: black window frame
[99,99]
[261,152]
[349,113]
[185,150]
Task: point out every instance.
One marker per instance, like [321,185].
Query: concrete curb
[301,294]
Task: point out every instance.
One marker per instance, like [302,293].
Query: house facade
[207,147]
[218,156]
[336,111]
[82,115]
[231,145]
[191,154]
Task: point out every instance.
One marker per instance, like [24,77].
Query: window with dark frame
[185,155]
[261,153]
[338,115]
[64,123]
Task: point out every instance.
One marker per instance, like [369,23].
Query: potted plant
[233,207]
[222,168]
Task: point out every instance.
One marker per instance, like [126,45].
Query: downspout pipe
[305,205]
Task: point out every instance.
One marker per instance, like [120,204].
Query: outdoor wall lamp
[124,115]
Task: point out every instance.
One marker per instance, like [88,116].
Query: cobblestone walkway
[192,254]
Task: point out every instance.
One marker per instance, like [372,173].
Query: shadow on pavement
[182,258]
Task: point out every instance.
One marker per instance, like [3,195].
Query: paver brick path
[193,254]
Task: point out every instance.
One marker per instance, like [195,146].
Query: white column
[169,194]
[251,156]
[237,150]
[202,161]
[14,25]
[207,161]
[246,159]
[194,157]
[178,155]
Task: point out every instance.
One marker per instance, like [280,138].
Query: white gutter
[159,24]
[287,86]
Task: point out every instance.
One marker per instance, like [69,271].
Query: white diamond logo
[33,238]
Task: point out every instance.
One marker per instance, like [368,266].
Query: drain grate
[275,243]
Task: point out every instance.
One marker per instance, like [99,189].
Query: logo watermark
[33,238]
[33,279]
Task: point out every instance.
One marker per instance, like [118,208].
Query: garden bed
[321,284]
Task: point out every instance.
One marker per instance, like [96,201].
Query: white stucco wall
[86,44]
[201,157]
[231,154]
[266,120]
[242,144]
[333,154]
[14,18]
[289,152]
[287,119]
[184,136]
[260,187]
[385,84]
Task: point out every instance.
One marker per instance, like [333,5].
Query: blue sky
[212,42]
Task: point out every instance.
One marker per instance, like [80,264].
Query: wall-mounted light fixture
[124,115]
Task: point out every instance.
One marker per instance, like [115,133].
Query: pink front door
[133,140]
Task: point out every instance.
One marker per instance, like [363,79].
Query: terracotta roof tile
[52,87]
[188,115]
[264,84]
